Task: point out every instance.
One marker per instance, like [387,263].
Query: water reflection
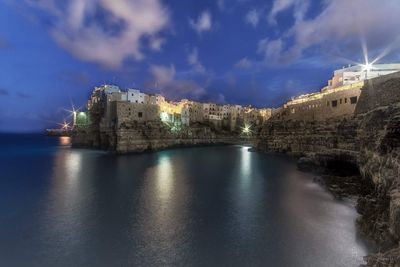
[164,178]
[214,206]
[245,163]
[246,195]
[64,140]
[163,212]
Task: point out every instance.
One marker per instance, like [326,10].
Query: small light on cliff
[246,129]
[65,126]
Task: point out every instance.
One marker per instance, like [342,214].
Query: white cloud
[172,87]
[119,34]
[203,22]
[193,60]
[156,43]
[244,63]
[340,25]
[253,17]
[300,8]
[163,74]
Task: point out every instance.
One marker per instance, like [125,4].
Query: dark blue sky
[229,51]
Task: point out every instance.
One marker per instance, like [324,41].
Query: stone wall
[331,105]
[378,92]
[126,112]
[305,137]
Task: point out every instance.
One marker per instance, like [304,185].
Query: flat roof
[375,67]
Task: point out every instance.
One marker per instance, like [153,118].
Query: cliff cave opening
[342,167]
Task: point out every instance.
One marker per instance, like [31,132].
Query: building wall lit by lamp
[74,118]
[164,116]
[81,119]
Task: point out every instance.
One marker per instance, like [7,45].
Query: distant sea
[211,206]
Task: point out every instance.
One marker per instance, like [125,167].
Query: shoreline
[371,206]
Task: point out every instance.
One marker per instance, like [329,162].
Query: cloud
[3,92]
[244,63]
[340,28]
[156,43]
[166,81]
[300,9]
[105,31]
[253,17]
[203,22]
[193,60]
[273,51]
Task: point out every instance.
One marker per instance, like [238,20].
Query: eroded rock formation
[154,135]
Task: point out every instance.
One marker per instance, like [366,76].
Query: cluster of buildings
[338,98]
[117,107]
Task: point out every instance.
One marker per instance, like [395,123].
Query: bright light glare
[65,126]
[367,67]
[164,116]
[246,129]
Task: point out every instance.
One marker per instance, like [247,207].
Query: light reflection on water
[214,206]
[65,140]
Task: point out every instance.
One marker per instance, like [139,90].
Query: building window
[327,103]
[140,114]
[340,101]
[353,100]
[334,103]
[345,100]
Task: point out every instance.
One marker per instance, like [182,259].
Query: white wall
[135,96]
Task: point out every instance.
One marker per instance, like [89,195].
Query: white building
[135,96]
[353,74]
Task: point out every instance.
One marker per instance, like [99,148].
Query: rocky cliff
[153,135]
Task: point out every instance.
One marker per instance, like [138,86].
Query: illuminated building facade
[357,73]
[117,107]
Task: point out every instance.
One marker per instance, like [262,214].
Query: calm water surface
[211,206]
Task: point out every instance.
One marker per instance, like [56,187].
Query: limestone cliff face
[152,135]
[299,137]
[379,160]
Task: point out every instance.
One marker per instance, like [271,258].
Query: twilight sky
[258,52]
